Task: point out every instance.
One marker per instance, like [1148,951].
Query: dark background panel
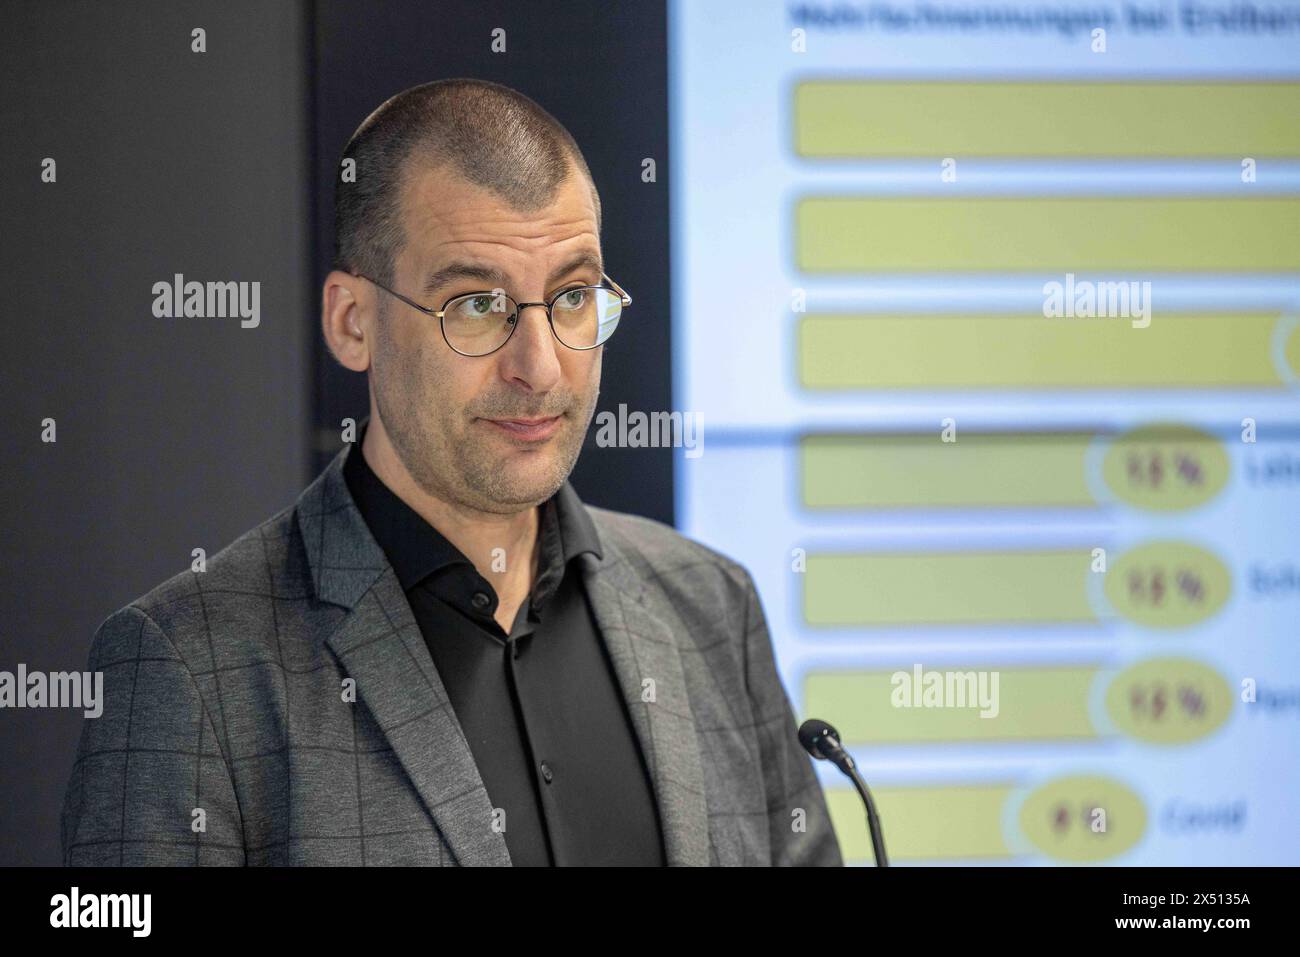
[173,433]
[183,433]
[602,71]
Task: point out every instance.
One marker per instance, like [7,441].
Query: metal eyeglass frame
[520,307]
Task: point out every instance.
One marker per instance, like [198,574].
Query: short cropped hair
[491,135]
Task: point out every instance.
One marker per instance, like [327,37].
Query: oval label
[1083,818]
[1167,584]
[1165,467]
[1169,700]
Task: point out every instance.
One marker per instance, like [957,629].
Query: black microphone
[823,742]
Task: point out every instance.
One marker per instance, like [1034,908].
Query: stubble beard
[465,468]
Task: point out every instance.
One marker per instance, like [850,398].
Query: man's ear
[347,302]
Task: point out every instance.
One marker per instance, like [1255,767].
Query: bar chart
[995,327]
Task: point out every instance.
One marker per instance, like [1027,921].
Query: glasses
[480,323]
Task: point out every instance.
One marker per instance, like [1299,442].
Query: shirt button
[481,600]
[546,772]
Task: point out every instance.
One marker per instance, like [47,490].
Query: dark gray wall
[183,433]
[172,433]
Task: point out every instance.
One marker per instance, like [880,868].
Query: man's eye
[573,299]
[475,307]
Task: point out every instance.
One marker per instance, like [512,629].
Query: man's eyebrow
[481,272]
[585,259]
[455,271]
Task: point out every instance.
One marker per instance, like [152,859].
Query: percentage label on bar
[1083,818]
[1169,700]
[1165,467]
[1160,700]
[1167,585]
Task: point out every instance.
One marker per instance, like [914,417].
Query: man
[439,655]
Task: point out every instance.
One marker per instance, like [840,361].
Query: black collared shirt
[540,707]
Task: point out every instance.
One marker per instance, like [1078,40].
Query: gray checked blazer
[230,734]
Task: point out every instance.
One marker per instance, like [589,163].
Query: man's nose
[531,354]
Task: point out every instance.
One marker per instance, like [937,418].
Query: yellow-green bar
[1135,236]
[1176,350]
[923,823]
[912,471]
[1148,119]
[899,588]
[1032,704]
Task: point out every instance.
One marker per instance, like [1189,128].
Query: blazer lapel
[380,646]
[643,648]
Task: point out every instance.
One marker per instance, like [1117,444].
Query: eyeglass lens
[479,323]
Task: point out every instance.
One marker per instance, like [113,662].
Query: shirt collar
[416,549]
[566,527]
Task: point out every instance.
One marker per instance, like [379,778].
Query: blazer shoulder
[267,560]
[659,551]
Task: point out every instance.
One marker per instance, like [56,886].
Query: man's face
[443,411]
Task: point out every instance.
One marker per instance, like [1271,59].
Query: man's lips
[531,429]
